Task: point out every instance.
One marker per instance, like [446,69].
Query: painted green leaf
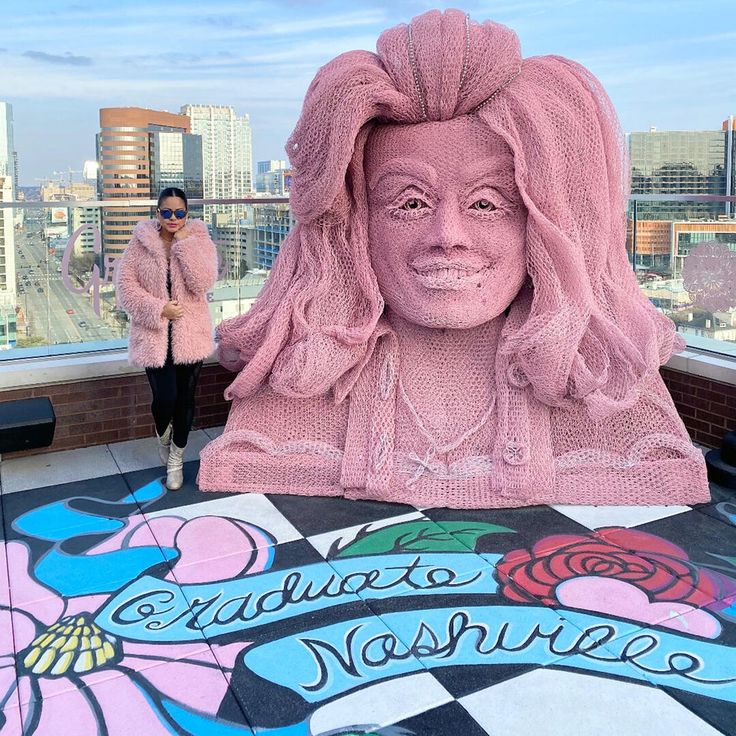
[730,560]
[421,535]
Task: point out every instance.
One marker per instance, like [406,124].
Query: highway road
[53,312]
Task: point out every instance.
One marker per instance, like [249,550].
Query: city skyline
[664,64]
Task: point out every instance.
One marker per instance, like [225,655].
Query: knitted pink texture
[453,321]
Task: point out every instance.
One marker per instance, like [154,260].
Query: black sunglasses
[167,213]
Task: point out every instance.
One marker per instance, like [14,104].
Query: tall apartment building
[273,223]
[138,150]
[8,185]
[683,162]
[273,177]
[7,243]
[263,167]
[8,295]
[226,153]
[8,156]
[89,216]
[234,240]
[16,173]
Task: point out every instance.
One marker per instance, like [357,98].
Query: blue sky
[664,63]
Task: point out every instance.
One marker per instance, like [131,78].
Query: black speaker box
[26,424]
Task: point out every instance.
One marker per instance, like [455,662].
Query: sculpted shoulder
[284,419]
[275,444]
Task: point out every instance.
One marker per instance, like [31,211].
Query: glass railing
[683,249]
[57,261]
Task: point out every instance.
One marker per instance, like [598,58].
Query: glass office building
[682,162]
[176,161]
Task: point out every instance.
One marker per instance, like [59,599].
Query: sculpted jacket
[142,293]
[526,453]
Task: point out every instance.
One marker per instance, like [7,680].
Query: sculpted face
[446,224]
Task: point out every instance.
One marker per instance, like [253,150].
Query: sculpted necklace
[428,462]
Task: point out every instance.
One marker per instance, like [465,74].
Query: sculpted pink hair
[590,335]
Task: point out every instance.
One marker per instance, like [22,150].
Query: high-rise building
[272,165]
[226,153]
[7,244]
[134,159]
[273,223]
[682,162]
[729,127]
[16,174]
[273,177]
[234,240]
[89,216]
[176,161]
[8,156]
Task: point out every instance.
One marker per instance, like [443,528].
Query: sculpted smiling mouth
[447,274]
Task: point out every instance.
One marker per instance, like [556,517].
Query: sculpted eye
[414,204]
[483,205]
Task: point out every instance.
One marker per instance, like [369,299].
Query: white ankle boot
[174,472]
[164,443]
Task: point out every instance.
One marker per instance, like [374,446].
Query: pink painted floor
[129,610]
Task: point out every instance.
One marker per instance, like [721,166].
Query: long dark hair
[173,192]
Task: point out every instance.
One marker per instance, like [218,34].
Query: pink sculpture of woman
[453,321]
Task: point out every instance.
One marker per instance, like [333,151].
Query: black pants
[173,388]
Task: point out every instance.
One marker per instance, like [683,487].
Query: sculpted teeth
[447,273]
[451,277]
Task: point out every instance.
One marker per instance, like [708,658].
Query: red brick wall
[95,412]
[707,407]
[103,410]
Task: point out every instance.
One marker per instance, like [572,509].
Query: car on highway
[82,323]
[70,311]
[39,290]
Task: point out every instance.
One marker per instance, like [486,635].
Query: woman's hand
[172,310]
[181,233]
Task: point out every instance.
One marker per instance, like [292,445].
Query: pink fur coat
[142,293]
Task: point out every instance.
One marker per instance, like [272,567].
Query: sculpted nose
[449,233]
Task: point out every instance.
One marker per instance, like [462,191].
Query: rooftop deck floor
[127,609]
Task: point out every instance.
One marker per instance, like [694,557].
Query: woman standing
[164,274]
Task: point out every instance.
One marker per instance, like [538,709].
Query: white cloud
[660,58]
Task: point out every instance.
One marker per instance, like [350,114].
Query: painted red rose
[657,566]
